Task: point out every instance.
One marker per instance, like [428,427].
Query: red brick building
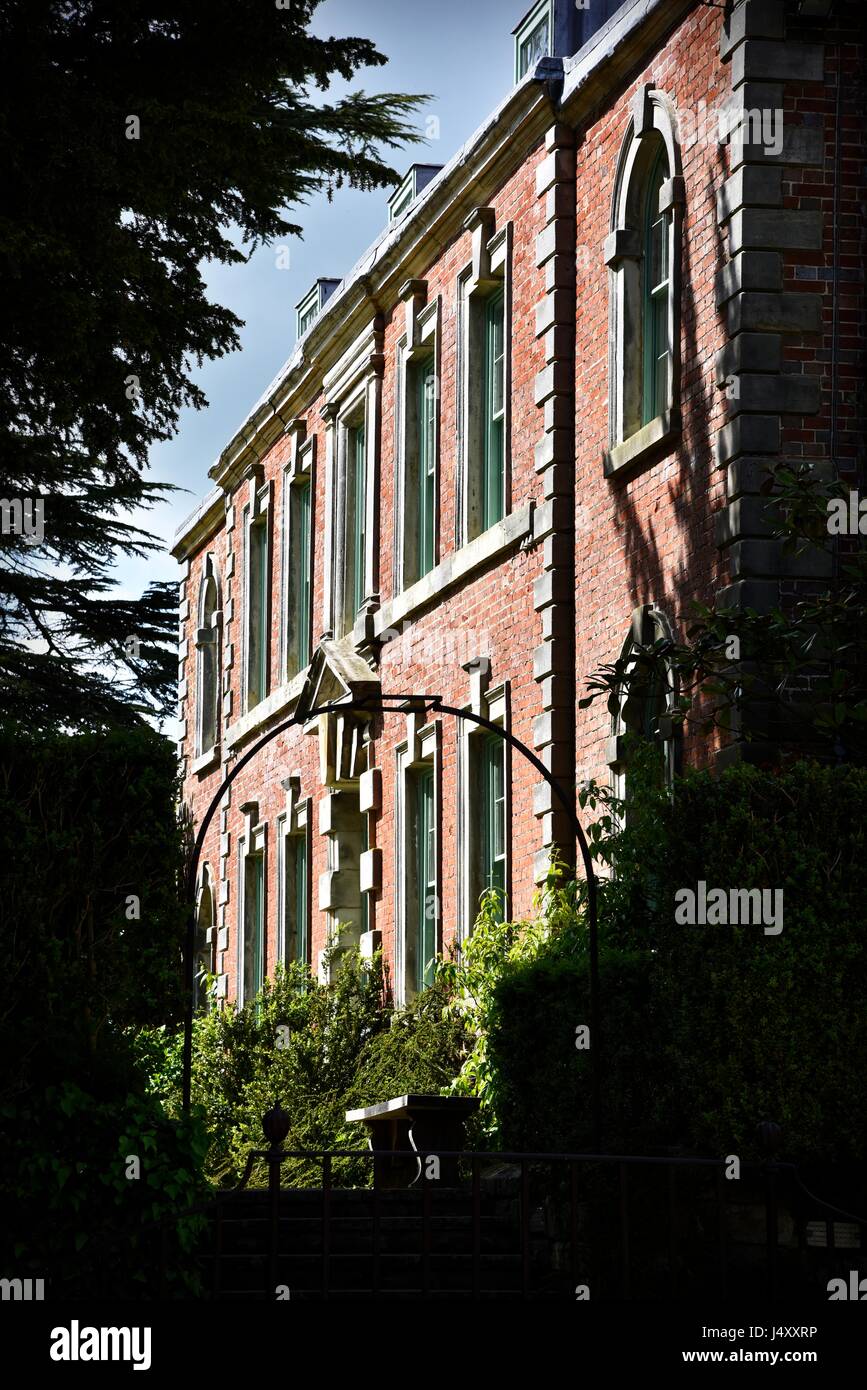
[528,427]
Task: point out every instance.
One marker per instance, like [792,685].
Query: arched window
[642,252]
[655,294]
[208,660]
[645,704]
[205,946]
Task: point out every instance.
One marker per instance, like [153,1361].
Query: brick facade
[599,532]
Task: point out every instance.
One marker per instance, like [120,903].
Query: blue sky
[459,51]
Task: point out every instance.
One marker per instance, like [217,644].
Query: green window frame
[494,813]
[656,285]
[364,925]
[296,912]
[425,874]
[494,469]
[254,925]
[209,670]
[358,464]
[257,610]
[426,415]
[300,585]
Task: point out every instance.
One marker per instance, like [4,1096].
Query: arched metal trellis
[385,704]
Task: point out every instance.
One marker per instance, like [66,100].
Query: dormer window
[532,38]
[414,182]
[310,307]
[558,29]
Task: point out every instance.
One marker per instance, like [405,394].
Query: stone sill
[276,703]
[643,445]
[206,760]
[456,568]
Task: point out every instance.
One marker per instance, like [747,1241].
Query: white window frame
[544,10]
[631,438]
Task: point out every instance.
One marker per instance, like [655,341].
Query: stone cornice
[200,526]
[614,52]
[556,90]
[401,253]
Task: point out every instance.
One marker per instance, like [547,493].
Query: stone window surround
[492,703]
[300,471]
[205,895]
[647,624]
[205,634]
[253,843]
[352,388]
[421,339]
[296,820]
[454,569]
[352,415]
[489,269]
[421,749]
[652,114]
[259,507]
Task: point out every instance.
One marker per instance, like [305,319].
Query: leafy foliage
[139,141]
[86,824]
[522,990]
[706,1030]
[73,1210]
[91,925]
[764,1027]
[318,1049]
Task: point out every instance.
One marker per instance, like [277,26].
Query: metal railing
[608,1226]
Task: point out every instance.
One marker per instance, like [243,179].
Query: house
[527,429]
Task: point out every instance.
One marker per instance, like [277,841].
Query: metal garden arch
[395,704]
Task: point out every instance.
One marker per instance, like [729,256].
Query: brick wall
[553,606]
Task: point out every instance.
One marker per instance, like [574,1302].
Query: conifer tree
[139,140]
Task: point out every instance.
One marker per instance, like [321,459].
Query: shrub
[318,1049]
[523,991]
[706,1030]
[769,1027]
[91,927]
[78,1212]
